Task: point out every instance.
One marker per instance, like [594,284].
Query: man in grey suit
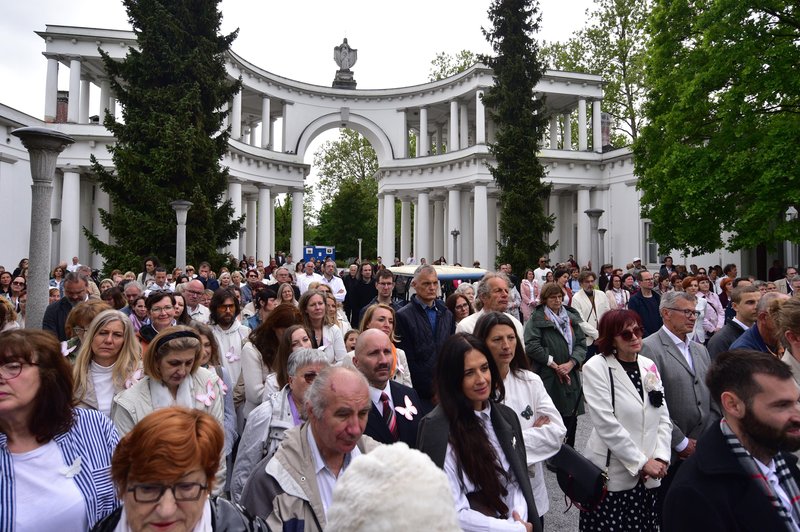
[682,364]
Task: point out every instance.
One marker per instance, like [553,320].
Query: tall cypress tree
[170,141]
[519,126]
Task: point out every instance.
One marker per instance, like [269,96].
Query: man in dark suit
[744,301]
[396,409]
[76,290]
[682,364]
[742,476]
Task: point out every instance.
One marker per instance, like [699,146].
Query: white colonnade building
[446,184]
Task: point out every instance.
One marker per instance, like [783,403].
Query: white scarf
[161,397]
[562,324]
[621,297]
[203,525]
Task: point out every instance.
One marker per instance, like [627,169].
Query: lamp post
[359,250]
[55,250]
[455,233]
[181,208]
[602,259]
[791,247]
[594,221]
[43,147]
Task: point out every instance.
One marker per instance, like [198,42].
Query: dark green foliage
[510,102]
[169,143]
[718,162]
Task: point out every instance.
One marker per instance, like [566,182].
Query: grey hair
[483,287]
[317,396]
[305,357]
[424,269]
[462,288]
[766,299]
[795,278]
[135,284]
[668,299]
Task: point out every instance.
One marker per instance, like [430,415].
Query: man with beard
[742,476]
[231,335]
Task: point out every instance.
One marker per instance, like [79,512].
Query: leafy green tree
[718,163]
[170,140]
[445,65]
[611,45]
[350,157]
[520,124]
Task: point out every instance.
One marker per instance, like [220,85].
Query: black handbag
[583,483]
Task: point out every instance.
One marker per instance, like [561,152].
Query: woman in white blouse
[327,336]
[109,361]
[618,296]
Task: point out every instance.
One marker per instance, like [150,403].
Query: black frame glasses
[181,491]
[686,312]
[12,370]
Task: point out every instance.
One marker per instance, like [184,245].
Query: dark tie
[388,416]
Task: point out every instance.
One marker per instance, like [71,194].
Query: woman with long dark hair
[478,441]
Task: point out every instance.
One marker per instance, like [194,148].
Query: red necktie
[388,415]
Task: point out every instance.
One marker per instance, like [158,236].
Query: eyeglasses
[182,491]
[18,283]
[228,306]
[463,306]
[159,310]
[189,269]
[627,335]
[11,370]
[309,376]
[686,312]
[193,292]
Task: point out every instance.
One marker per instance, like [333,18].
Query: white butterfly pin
[73,470]
[66,349]
[136,377]
[408,411]
[231,355]
[208,397]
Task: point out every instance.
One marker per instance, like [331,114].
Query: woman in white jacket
[327,336]
[632,429]
[542,427]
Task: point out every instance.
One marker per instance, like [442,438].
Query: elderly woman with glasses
[54,458]
[632,430]
[269,421]
[161,311]
[164,473]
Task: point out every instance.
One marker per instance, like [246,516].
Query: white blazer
[591,315]
[634,430]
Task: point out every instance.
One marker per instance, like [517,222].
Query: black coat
[358,295]
[724,338]
[55,317]
[377,428]
[712,492]
[434,433]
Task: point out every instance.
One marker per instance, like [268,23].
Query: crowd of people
[244,399]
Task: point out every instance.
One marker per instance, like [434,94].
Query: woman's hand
[528,526]
[541,421]
[654,469]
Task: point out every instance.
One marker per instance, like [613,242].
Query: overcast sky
[396,41]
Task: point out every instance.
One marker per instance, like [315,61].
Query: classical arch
[372,132]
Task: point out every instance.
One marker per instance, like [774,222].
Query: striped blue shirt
[93,439]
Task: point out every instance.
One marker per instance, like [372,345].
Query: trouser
[571,422]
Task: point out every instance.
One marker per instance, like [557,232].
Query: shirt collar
[319,463]
[677,341]
[375,393]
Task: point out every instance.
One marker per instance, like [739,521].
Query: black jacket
[434,434]
[724,338]
[55,317]
[225,516]
[378,430]
[712,492]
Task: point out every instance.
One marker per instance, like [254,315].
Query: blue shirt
[430,312]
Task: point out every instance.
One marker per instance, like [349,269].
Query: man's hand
[689,451]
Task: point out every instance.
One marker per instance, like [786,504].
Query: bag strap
[613,410]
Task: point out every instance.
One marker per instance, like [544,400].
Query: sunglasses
[627,335]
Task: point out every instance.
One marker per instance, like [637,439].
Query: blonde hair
[786,315]
[370,312]
[128,360]
[185,338]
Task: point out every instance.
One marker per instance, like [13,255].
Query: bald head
[374,358]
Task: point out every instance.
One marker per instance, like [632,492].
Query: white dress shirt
[326,480]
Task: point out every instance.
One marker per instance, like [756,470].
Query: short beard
[767,437]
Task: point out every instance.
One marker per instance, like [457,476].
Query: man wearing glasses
[682,365]
[192,293]
[385,286]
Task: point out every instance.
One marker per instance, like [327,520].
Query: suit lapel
[621,379]
[506,438]
[377,426]
[673,350]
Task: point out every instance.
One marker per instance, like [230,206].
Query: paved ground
[556,520]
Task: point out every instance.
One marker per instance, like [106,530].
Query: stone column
[101,201]
[439,139]
[43,146]
[55,238]
[463,130]
[594,222]
[602,259]
[266,123]
[181,208]
[417,145]
[422,140]
[583,251]
[405,229]
[388,229]
[251,226]
[553,132]
[51,89]
[490,131]
[83,115]
[480,119]
[438,230]
[494,231]
[253,139]
[235,195]
[481,226]
[567,131]
[379,247]
[297,224]
[70,215]
[73,107]
[264,229]
[467,254]
[452,141]
[422,231]
[597,130]
[105,93]
[272,136]
[271,231]
[236,117]
[582,141]
[552,208]
[453,222]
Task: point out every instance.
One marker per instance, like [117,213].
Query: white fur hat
[392,488]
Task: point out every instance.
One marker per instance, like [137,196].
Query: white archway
[372,132]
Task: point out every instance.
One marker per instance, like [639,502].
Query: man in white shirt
[330,278]
[192,294]
[493,291]
[540,273]
[74,266]
[307,277]
[229,332]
